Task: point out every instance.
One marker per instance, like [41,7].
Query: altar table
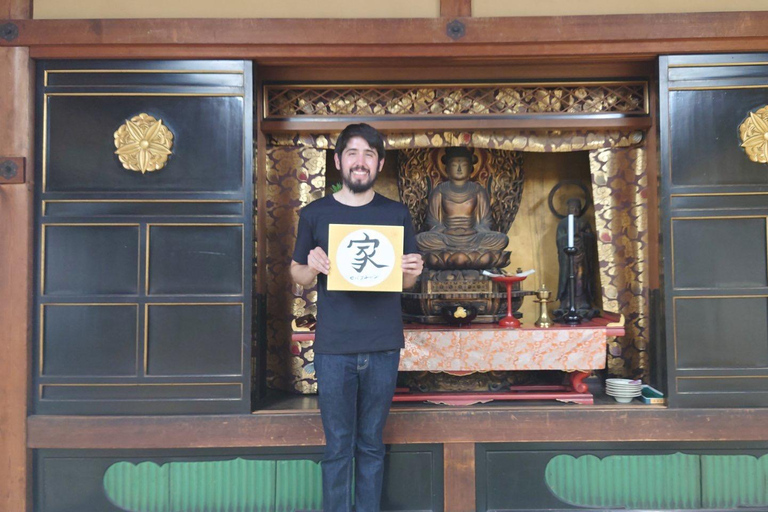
[488,347]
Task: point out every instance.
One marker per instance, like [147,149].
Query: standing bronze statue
[584,260]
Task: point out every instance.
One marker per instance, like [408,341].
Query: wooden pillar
[16,217]
[455,8]
[459,477]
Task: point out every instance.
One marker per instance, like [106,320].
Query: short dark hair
[365,131]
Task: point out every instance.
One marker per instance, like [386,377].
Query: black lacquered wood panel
[737,204]
[91,259]
[145,208]
[149,392]
[710,74]
[704,142]
[194,339]
[144,278]
[203,259]
[413,478]
[141,78]
[705,327]
[89,339]
[720,252]
[207,143]
[714,220]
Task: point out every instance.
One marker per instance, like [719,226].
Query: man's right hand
[318,261]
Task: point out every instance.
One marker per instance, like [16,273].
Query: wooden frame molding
[15,280]
[459,477]
[406,426]
[643,35]
[455,8]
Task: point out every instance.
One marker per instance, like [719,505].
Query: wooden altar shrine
[88,425]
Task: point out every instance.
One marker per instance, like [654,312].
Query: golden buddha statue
[459,220]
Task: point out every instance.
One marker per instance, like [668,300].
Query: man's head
[458,163]
[359,156]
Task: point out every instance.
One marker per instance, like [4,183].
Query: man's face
[459,168]
[359,165]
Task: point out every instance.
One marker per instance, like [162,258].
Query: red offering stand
[509,321]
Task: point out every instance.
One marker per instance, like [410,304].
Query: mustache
[359,168]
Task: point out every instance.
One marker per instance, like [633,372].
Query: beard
[358,187]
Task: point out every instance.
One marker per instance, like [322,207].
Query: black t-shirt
[352,322]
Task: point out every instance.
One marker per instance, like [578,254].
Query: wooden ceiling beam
[307,55]
[585,35]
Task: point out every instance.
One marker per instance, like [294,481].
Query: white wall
[489,8]
[89,9]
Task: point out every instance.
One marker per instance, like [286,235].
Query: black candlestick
[572,317]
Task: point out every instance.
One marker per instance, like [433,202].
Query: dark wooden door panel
[715,229]
[144,214]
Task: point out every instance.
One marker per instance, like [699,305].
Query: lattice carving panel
[287,101]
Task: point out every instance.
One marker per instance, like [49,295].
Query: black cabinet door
[144,237]
[714,129]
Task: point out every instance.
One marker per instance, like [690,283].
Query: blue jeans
[355,393]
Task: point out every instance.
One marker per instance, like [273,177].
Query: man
[359,334]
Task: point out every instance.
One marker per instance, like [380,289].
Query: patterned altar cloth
[494,348]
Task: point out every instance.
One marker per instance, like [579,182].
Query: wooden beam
[411,125]
[566,424]
[353,38]
[455,8]
[433,70]
[458,477]
[653,253]
[15,9]
[16,140]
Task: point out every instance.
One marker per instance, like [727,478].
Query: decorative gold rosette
[143,144]
[754,135]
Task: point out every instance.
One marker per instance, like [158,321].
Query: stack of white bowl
[623,390]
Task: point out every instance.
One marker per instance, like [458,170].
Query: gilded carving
[442,100]
[413,183]
[754,135]
[143,144]
[506,187]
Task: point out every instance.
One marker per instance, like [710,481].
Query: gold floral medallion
[143,144]
[754,135]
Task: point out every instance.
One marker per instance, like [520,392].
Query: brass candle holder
[543,295]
